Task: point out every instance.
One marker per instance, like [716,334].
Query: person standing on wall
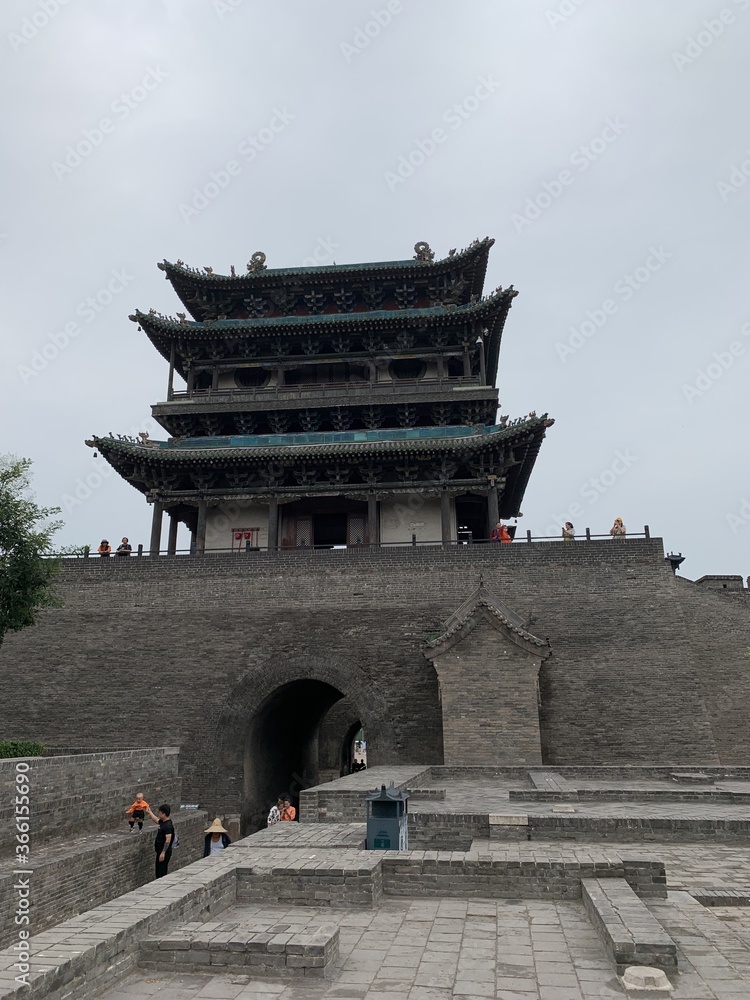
[164,840]
[500,534]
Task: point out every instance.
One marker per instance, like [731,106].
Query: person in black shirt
[164,840]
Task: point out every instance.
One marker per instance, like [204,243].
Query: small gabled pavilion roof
[483,603]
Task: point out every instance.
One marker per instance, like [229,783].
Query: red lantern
[248,534]
[238,535]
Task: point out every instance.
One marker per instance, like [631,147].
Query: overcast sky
[605,145]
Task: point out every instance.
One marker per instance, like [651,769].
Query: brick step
[258,948]
[550,781]
[722,896]
[630,932]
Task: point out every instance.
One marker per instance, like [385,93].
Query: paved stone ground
[436,949]
[503,949]
[487,795]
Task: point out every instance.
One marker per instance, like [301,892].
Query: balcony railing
[525,539]
[327,390]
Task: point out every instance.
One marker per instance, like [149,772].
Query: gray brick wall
[76,876]
[192,647]
[69,794]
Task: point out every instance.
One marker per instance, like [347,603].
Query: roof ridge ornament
[423,253]
[257,262]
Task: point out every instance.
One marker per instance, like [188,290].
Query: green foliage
[26,577]
[21,748]
[73,550]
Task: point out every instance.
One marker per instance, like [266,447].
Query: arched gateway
[270,730]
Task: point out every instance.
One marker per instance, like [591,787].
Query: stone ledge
[722,896]
[259,948]
[631,934]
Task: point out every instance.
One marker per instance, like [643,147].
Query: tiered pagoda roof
[360,381]
[199,289]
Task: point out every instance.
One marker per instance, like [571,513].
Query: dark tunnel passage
[281,749]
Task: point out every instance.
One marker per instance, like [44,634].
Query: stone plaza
[518,884]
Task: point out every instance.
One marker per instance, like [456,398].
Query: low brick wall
[624,829]
[73,877]
[352,879]
[84,956]
[344,800]
[269,949]
[69,793]
[449,874]
[446,831]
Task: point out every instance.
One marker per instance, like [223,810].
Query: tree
[26,576]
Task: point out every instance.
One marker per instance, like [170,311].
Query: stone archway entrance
[281,754]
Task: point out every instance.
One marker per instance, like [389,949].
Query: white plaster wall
[236,514]
[410,514]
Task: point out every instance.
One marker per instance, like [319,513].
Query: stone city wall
[635,653]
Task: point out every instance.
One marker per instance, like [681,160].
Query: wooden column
[170,382]
[156,528]
[373,521]
[493,508]
[172,539]
[215,378]
[190,380]
[445,516]
[467,361]
[273,524]
[200,531]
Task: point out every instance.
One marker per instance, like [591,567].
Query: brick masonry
[644,666]
[70,794]
[71,877]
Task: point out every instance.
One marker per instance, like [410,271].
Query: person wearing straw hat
[216,840]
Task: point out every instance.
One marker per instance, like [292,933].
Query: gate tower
[339,405]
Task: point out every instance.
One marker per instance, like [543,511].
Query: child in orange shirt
[136,812]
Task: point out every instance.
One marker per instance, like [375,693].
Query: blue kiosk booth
[387,819]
